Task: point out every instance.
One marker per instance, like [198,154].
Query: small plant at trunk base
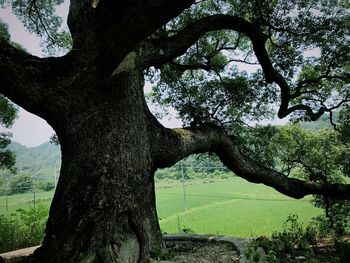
[252,254]
[271,257]
[183,230]
[158,254]
[186,230]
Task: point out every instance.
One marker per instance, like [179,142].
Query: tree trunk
[104,206]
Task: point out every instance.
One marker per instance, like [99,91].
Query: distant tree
[4,34]
[21,183]
[46,185]
[104,206]
[7,116]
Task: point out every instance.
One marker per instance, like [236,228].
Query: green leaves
[4,34]
[39,17]
[8,113]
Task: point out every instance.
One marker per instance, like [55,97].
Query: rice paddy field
[231,207]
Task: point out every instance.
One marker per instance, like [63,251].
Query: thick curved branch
[180,143]
[161,51]
[28,80]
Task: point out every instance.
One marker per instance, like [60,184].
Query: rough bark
[104,206]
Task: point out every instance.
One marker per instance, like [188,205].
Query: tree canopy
[7,116]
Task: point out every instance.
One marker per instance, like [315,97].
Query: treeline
[199,166]
[24,182]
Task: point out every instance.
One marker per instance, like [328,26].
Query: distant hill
[40,161]
[322,122]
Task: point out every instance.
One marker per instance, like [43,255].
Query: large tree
[104,205]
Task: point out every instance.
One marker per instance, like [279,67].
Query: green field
[231,207]
[23,201]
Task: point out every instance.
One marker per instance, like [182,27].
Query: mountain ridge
[42,161]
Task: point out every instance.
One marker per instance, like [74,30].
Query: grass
[17,201]
[231,207]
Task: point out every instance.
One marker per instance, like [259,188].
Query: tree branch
[24,76]
[162,50]
[156,52]
[180,143]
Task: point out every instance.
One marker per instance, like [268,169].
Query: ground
[202,252]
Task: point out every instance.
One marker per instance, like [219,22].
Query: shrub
[22,229]
[8,229]
[46,185]
[343,250]
[294,236]
[21,183]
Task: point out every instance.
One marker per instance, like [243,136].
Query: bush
[343,250]
[23,229]
[46,185]
[8,229]
[294,236]
[21,183]
[336,217]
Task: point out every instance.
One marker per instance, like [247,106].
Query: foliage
[4,34]
[40,17]
[294,236]
[317,156]
[252,254]
[8,113]
[22,229]
[343,250]
[218,80]
[45,185]
[295,239]
[21,183]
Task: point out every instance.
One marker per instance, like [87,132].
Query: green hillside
[322,122]
[41,161]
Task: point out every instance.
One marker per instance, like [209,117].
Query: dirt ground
[182,252]
[202,252]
